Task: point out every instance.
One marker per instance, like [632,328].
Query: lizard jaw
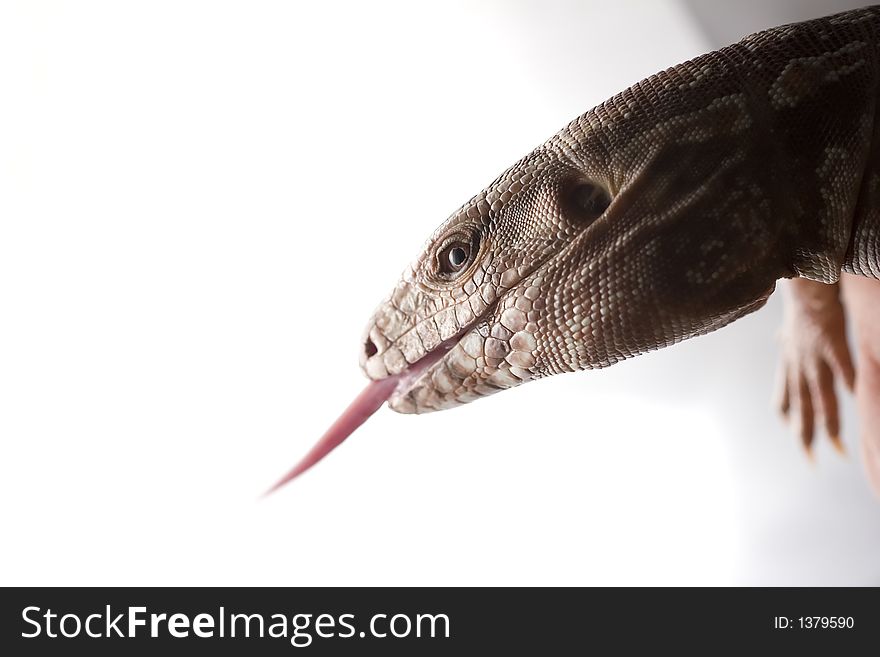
[419,373]
[488,355]
[413,374]
[446,362]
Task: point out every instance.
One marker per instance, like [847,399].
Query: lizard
[666,212]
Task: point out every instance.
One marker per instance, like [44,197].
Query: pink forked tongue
[364,405]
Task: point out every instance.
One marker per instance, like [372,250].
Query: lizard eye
[455,256]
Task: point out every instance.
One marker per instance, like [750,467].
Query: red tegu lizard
[664,213]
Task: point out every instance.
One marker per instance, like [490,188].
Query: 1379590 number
[825,622]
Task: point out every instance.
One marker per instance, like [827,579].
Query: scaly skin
[667,212]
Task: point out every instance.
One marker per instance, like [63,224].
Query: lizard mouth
[420,371]
[412,375]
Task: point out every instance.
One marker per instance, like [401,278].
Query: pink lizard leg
[814,354]
[862,297]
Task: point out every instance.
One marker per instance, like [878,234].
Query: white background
[201,204]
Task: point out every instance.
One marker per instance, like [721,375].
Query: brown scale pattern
[755,162]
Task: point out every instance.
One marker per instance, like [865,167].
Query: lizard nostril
[371,348]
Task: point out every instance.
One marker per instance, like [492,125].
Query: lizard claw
[837,444]
[808,451]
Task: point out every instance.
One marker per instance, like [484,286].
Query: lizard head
[579,257]
[461,322]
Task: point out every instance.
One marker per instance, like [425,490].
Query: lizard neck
[814,87]
[797,105]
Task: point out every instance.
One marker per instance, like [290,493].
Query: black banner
[421,621]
